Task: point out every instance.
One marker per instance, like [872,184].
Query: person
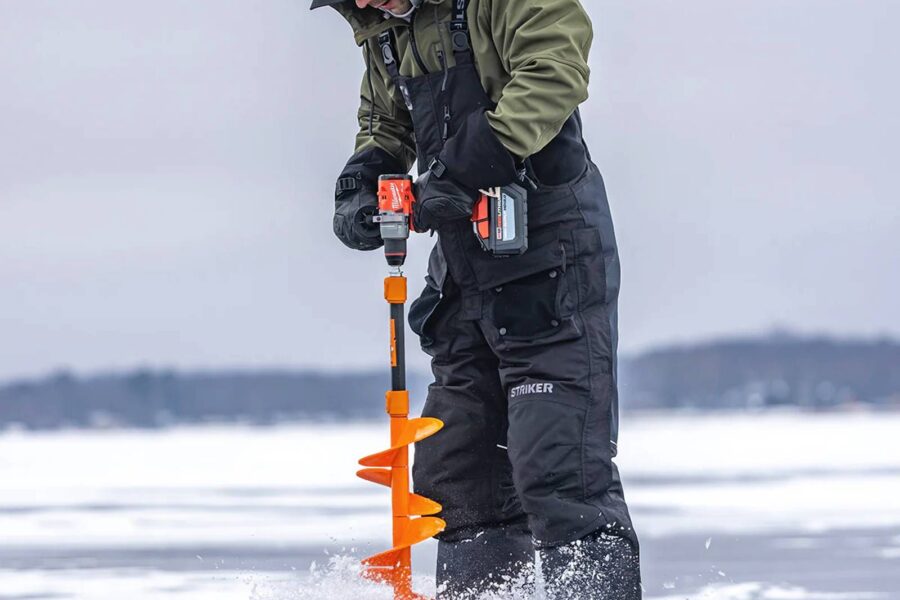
[483,93]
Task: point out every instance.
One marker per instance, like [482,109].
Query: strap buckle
[347,184]
[387,50]
[437,167]
[459,37]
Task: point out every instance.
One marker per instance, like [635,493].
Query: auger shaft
[395,294]
[398,409]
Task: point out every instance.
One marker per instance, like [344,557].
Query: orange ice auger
[391,467]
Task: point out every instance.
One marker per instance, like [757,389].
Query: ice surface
[338,579]
[86,584]
[237,512]
[762,591]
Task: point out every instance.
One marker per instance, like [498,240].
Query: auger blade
[384,458]
[384,561]
[420,530]
[388,566]
[383,567]
[378,574]
[394,577]
[414,430]
[420,506]
[421,428]
[379,476]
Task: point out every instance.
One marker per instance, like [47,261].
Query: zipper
[440,55]
[447,115]
[413,45]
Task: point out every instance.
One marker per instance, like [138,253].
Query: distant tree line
[736,374]
[146,398]
[779,370]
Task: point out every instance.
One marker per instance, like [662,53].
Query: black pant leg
[464,467]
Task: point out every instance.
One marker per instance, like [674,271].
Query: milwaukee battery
[500,220]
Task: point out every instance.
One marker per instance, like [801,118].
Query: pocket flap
[544,252]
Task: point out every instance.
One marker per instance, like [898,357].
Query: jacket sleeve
[391,126]
[544,46]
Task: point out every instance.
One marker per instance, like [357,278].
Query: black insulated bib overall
[523,349]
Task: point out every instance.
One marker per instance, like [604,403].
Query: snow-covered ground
[739,507]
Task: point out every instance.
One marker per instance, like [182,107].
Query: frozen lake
[737,507]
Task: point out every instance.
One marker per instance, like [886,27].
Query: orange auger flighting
[391,467]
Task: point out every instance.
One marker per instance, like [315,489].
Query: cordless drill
[395,200]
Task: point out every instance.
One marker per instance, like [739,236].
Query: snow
[758,444]
[85,584]
[813,472]
[290,487]
[762,591]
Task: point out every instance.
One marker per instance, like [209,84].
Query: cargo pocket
[529,301]
[589,269]
[529,307]
[421,312]
[545,448]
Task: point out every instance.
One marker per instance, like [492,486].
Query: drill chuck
[395,252]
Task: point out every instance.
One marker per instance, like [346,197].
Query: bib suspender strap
[459,33]
[389,54]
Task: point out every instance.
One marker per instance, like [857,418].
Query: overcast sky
[166,176]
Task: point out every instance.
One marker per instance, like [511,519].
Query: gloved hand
[353,219]
[356,198]
[440,201]
[472,159]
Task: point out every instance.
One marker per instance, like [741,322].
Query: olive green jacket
[531,56]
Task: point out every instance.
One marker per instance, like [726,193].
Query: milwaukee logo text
[531,388]
[396,198]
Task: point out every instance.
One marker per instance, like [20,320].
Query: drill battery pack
[500,220]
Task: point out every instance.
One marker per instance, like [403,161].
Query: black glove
[356,198]
[440,201]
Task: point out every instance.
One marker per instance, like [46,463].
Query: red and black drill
[395,200]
